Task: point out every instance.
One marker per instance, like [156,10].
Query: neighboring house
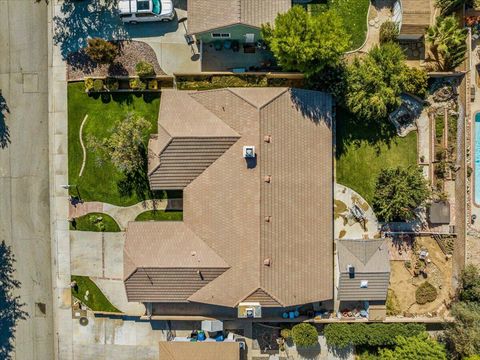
[413,18]
[205,350]
[240,20]
[364,268]
[255,167]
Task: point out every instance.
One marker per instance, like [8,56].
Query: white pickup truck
[136,11]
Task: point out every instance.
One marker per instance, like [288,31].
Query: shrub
[392,304]
[425,293]
[137,84]
[470,284]
[286,333]
[304,335]
[144,69]
[101,51]
[153,85]
[342,335]
[416,81]
[88,84]
[388,32]
[112,84]
[98,85]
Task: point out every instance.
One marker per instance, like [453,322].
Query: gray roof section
[371,262]
[439,213]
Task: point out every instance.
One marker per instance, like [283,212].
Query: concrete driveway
[98,18]
[24,164]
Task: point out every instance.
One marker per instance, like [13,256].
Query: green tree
[470,284]
[306,43]
[448,6]
[101,51]
[415,81]
[419,347]
[463,335]
[399,191]
[144,69]
[124,148]
[11,309]
[375,82]
[304,335]
[448,42]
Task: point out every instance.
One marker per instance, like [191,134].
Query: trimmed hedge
[304,335]
[342,335]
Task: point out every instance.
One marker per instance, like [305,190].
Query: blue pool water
[477,158]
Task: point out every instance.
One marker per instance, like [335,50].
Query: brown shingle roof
[416,17]
[183,350]
[226,205]
[204,15]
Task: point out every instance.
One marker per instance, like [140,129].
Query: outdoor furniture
[227,44]
[218,45]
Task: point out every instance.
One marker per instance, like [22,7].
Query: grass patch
[105,183]
[96,299]
[95,222]
[364,149]
[160,215]
[353,12]
[392,303]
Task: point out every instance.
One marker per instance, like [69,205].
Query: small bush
[98,85]
[470,284]
[137,84]
[286,334]
[153,85]
[88,84]
[144,69]
[388,32]
[101,51]
[112,84]
[392,304]
[425,293]
[304,335]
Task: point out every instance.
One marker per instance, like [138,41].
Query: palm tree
[448,42]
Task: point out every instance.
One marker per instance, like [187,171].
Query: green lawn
[96,300]
[353,12]
[160,215]
[92,222]
[104,182]
[362,151]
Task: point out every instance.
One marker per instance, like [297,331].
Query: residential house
[364,272]
[183,350]
[239,20]
[256,169]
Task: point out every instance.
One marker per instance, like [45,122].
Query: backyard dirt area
[404,284]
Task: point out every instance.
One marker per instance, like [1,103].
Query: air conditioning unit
[248,310]
[249,151]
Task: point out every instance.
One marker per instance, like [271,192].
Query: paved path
[121,214]
[24,177]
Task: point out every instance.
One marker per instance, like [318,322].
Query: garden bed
[95,300]
[79,65]
[160,215]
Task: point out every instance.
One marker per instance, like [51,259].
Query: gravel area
[131,52]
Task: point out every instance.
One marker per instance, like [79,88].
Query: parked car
[135,11]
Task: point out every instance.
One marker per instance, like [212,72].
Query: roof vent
[249,151]
[267,178]
[351,271]
[268,219]
[193,253]
[267,138]
[267,262]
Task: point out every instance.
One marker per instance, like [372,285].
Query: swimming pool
[477,158]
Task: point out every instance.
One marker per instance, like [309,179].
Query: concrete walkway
[382,9]
[346,227]
[122,215]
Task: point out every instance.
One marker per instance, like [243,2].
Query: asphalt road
[24,174]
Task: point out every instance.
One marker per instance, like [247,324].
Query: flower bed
[125,84]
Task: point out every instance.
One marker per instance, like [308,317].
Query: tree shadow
[81,20]
[311,352]
[11,309]
[351,130]
[4,130]
[79,60]
[117,69]
[148,97]
[122,98]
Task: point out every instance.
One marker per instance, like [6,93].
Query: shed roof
[246,220]
[416,17]
[205,15]
[439,212]
[183,350]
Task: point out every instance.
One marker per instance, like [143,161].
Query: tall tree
[124,148]
[102,51]
[11,309]
[447,41]
[470,284]
[463,335]
[375,82]
[399,191]
[306,43]
[419,347]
